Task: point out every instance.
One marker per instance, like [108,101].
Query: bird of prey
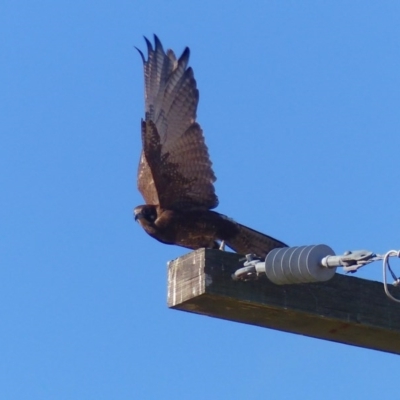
[175,176]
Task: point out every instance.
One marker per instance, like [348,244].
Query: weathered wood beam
[344,309]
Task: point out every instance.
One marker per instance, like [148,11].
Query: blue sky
[299,103]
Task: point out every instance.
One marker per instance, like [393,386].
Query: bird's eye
[150,214]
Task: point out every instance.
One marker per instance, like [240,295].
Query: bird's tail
[248,241]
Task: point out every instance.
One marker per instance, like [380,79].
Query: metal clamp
[252,268]
[351,261]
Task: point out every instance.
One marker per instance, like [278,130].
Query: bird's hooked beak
[137,214]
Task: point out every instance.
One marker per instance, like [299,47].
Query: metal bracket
[351,261]
[252,268]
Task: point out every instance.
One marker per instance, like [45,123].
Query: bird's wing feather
[145,181]
[175,168]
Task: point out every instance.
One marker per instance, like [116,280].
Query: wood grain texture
[345,309]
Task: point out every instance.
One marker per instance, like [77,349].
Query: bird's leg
[222,245]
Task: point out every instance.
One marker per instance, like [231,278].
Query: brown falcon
[175,175]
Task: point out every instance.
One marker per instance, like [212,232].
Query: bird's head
[146,214]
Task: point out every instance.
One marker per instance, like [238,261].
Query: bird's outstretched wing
[174,169]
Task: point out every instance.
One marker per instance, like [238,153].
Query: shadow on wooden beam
[345,309]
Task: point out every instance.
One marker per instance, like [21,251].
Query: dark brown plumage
[175,175]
